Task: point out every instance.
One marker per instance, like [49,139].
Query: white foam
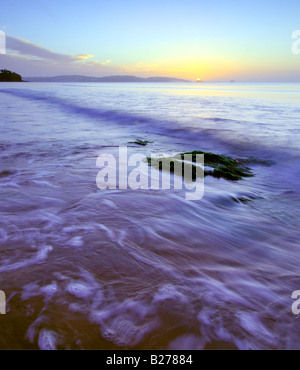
[43,253]
[98,299]
[43,183]
[187,342]
[223,334]
[253,325]
[98,317]
[30,290]
[77,228]
[80,290]
[10,184]
[124,332]
[109,232]
[59,276]
[126,323]
[39,257]
[3,235]
[109,203]
[75,307]
[47,339]
[169,292]
[76,242]
[49,290]
[32,330]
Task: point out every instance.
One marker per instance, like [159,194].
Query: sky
[210,40]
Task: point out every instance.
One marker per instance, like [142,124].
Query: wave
[39,257]
[223,140]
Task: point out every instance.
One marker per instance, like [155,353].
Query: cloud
[104,63]
[26,48]
[84,56]
[29,59]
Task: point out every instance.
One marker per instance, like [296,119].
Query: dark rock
[215,165]
[140,142]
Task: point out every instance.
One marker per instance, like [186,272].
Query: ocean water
[120,268]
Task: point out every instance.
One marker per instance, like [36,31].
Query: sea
[85,267]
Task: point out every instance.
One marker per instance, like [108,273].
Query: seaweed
[140,142]
[215,165]
[223,166]
[6,173]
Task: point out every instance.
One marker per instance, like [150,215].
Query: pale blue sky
[191,38]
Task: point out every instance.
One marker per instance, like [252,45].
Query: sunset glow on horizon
[246,41]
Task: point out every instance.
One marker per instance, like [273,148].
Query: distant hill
[79,78]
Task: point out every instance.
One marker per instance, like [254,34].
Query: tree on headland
[8,76]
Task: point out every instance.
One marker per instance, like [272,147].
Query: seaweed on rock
[215,165]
